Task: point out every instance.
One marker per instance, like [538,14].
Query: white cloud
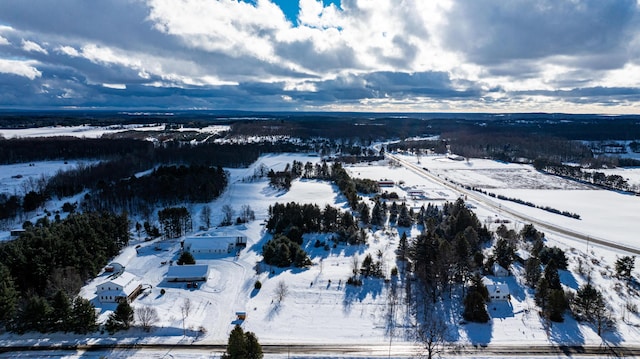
[20,68]
[115,86]
[31,46]
[485,53]
[68,50]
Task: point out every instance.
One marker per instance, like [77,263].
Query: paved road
[486,201]
[315,350]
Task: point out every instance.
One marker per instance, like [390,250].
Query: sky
[570,56]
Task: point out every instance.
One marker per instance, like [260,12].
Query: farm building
[417,194]
[386,183]
[188,273]
[213,245]
[498,291]
[123,286]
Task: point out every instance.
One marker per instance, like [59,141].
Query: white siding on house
[498,292]
[118,287]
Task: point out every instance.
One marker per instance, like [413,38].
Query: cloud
[31,46]
[383,54]
[19,68]
[490,32]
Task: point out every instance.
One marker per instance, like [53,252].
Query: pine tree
[552,276]
[8,296]
[35,315]
[404,218]
[84,316]
[557,305]
[254,349]
[121,318]
[504,252]
[365,215]
[242,345]
[61,312]
[588,300]
[532,271]
[624,267]
[186,258]
[475,309]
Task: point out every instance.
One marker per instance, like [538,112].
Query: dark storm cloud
[491,32]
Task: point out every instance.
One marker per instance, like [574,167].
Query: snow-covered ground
[88,131]
[321,308]
[21,178]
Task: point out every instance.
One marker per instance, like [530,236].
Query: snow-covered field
[88,131]
[321,308]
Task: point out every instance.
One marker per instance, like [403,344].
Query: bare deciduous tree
[227,215]
[355,265]
[247,214]
[431,333]
[185,308]
[281,291]
[205,216]
[147,316]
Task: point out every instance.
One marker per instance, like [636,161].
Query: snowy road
[318,351]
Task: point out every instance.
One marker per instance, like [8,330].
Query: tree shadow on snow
[274,310]
[500,309]
[479,334]
[567,278]
[353,294]
[256,247]
[566,333]
[269,191]
[341,249]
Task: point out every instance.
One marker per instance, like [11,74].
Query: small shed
[188,273]
[16,233]
[499,271]
[498,291]
[241,315]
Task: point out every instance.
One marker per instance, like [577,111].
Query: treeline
[165,185]
[114,178]
[48,264]
[615,182]
[529,204]
[21,150]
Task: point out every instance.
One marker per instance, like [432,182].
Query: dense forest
[48,264]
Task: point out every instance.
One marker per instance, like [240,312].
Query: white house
[188,273]
[499,271]
[124,286]
[498,291]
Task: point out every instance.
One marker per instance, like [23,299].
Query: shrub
[257,285]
